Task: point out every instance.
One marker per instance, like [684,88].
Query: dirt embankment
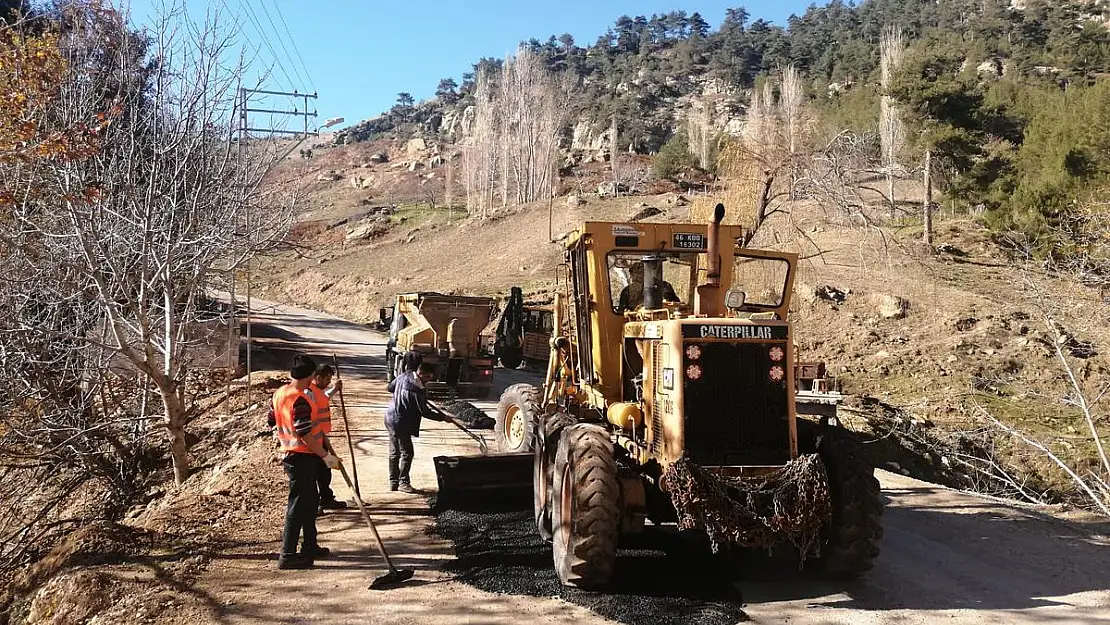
[140,569]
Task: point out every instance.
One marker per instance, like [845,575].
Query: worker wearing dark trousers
[302,441]
[400,462]
[407,406]
[301,510]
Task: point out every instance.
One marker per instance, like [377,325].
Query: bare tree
[753,166]
[480,152]
[512,148]
[892,131]
[832,175]
[791,105]
[534,105]
[449,183]
[699,133]
[174,201]
[927,208]
[760,133]
[614,154]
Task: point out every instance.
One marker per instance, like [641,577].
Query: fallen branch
[1100,502]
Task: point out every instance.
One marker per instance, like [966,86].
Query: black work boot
[312,553]
[287,561]
[333,504]
[392,486]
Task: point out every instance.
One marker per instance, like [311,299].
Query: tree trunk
[927,236]
[890,187]
[175,428]
[764,204]
[613,157]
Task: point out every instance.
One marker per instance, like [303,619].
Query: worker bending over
[301,438]
[407,407]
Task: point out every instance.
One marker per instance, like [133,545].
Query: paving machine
[670,396]
[444,331]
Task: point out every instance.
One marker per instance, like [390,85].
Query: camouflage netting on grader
[791,503]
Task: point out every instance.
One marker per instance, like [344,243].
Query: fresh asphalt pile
[470,415]
[659,578]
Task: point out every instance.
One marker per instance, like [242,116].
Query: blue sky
[358,55]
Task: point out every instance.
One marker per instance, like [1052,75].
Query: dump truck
[670,396]
[523,332]
[443,330]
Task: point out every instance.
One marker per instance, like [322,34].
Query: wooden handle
[346,428]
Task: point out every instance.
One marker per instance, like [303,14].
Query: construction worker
[407,407]
[301,438]
[321,391]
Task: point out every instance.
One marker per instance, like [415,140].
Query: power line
[257,48]
[293,43]
[280,40]
[239,28]
[261,33]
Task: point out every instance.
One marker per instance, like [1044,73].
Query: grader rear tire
[586,509]
[518,409]
[850,543]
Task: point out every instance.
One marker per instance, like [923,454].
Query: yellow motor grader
[670,396]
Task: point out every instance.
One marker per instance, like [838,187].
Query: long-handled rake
[395,575]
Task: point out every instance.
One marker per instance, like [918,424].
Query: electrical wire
[281,42]
[266,40]
[255,48]
[292,42]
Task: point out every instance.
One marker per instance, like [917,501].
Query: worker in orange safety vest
[301,437]
[321,391]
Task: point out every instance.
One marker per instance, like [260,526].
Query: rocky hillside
[1006,96]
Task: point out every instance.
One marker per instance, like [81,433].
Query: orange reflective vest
[283,404]
[322,410]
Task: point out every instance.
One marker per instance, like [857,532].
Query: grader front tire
[518,408]
[586,507]
[850,543]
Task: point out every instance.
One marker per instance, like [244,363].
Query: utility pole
[244,131]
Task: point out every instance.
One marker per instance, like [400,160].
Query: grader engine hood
[719,391]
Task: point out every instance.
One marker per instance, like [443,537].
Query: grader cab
[669,396]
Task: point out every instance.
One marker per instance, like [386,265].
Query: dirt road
[946,556]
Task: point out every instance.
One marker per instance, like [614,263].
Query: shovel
[452,420]
[395,575]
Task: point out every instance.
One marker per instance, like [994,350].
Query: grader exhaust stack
[707,302]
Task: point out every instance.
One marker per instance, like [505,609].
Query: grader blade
[478,482]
